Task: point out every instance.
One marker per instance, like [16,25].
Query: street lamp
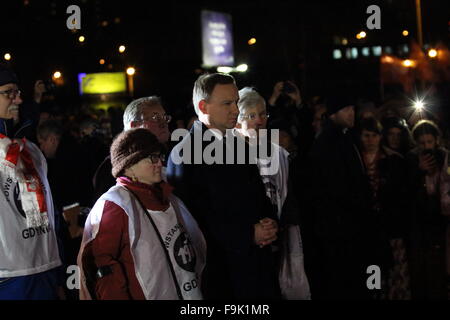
[405,33]
[432,53]
[81,39]
[7,56]
[57,75]
[122,49]
[408,63]
[252,41]
[130,73]
[361,35]
[102,61]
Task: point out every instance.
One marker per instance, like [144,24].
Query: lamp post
[130,73]
[419,23]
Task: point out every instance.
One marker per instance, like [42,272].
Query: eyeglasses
[154,158]
[253,116]
[156,117]
[11,93]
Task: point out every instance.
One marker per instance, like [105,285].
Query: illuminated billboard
[217,39]
[102,83]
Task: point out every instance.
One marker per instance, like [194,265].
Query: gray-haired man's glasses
[11,93]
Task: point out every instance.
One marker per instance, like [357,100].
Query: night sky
[295,40]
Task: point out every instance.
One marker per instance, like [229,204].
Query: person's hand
[277,89]
[39,90]
[295,96]
[427,163]
[265,232]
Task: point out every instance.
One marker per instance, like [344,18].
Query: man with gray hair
[146,112]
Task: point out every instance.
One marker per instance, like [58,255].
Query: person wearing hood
[140,242]
[29,254]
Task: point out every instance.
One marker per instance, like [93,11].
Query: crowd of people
[355,186]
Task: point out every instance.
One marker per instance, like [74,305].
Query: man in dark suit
[227,200]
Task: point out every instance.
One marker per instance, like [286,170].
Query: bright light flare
[432,53]
[252,41]
[57,75]
[419,105]
[131,71]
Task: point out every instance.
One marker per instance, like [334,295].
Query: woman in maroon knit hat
[140,241]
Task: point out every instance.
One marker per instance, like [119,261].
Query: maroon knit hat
[130,147]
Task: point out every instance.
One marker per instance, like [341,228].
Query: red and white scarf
[16,162]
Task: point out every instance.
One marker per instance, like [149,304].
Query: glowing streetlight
[57,75]
[344,41]
[102,61]
[361,35]
[387,59]
[408,63]
[122,49]
[252,41]
[405,33]
[242,68]
[432,53]
[131,71]
[7,56]
[81,39]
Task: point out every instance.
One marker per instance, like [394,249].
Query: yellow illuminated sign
[101,83]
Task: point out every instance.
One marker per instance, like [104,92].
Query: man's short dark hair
[50,127]
[426,127]
[205,84]
[371,125]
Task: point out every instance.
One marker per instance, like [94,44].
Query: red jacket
[111,246]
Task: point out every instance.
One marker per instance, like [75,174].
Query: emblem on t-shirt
[12,194]
[184,253]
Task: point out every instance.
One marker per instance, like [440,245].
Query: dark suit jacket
[227,200]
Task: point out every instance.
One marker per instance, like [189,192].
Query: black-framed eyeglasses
[11,93]
[154,158]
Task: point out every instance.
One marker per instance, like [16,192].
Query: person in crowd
[93,150]
[387,174]
[65,162]
[228,200]
[67,174]
[140,242]
[286,105]
[339,196]
[147,113]
[430,207]
[274,170]
[396,135]
[29,254]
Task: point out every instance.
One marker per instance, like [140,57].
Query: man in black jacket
[227,200]
[339,205]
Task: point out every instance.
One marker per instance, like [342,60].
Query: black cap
[7,76]
[338,101]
